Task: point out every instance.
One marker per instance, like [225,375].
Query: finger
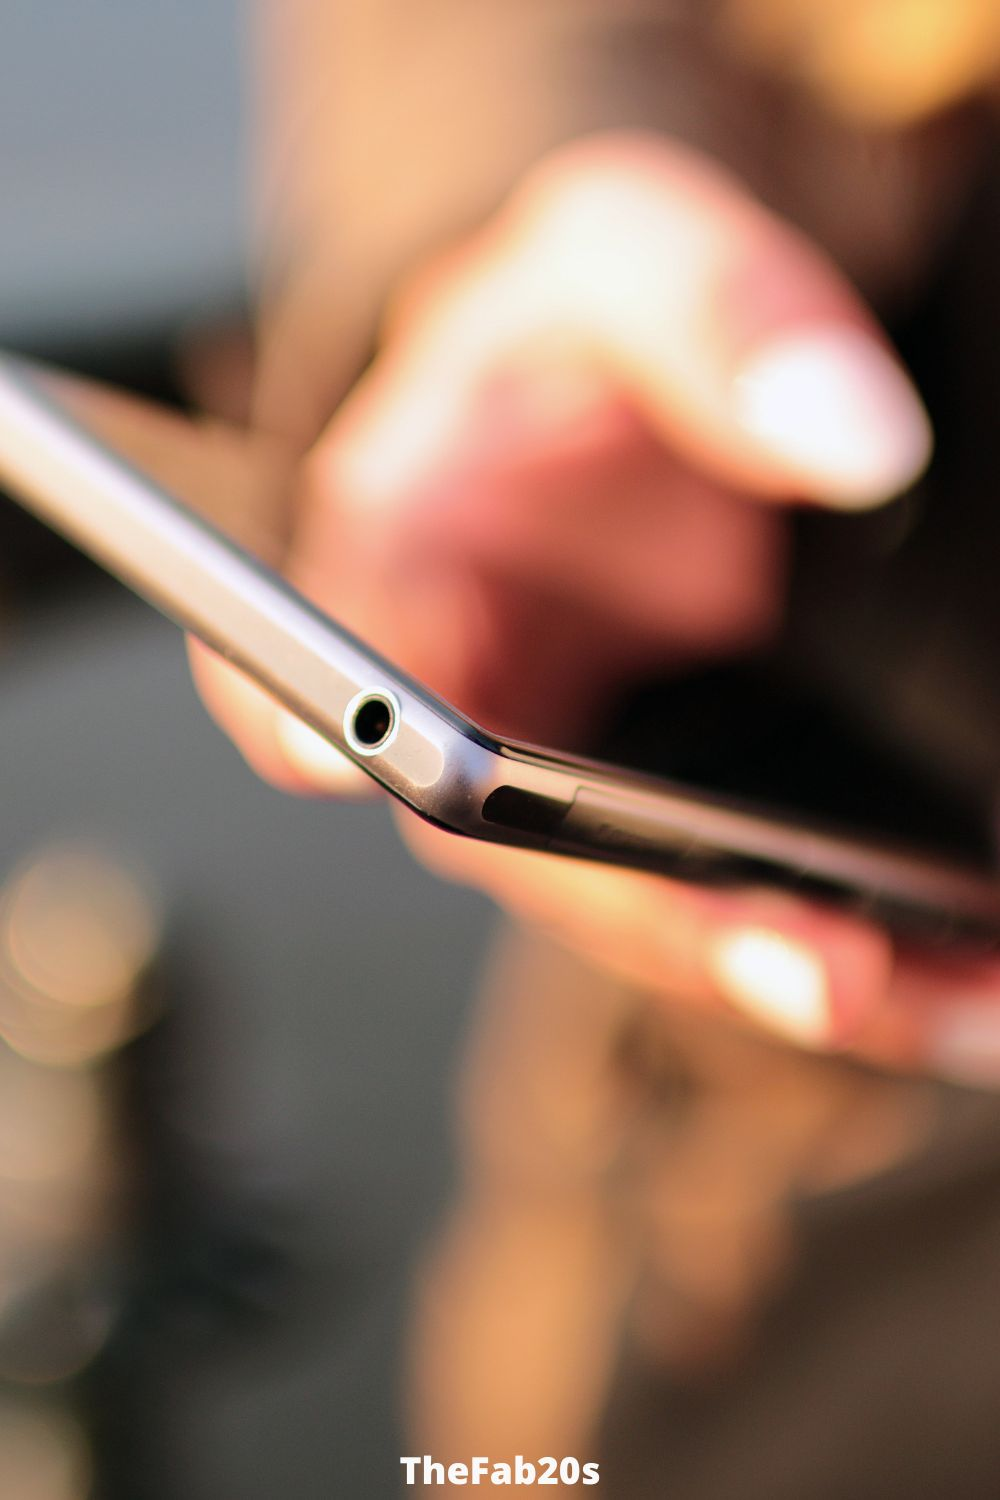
[278,746]
[641,261]
[538,575]
[603,514]
[813,975]
[942,1016]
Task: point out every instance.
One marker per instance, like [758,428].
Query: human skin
[570,464]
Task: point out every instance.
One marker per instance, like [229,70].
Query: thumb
[740,341]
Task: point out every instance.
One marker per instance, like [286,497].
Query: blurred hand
[566,468]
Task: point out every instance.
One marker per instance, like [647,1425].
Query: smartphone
[154,499]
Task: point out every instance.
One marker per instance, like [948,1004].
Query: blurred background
[223,1121]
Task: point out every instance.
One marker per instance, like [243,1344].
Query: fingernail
[833,406]
[963,1044]
[778,982]
[316,760]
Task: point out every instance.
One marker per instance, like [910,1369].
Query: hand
[568,467]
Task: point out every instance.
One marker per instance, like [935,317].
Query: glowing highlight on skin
[836,407]
[316,760]
[778,982]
